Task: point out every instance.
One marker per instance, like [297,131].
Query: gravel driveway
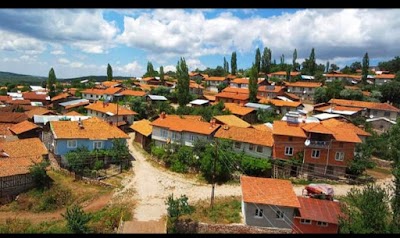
[153,185]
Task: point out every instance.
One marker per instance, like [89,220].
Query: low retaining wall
[382,163]
[204,228]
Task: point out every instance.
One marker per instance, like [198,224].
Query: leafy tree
[265,116]
[161,91]
[77,159]
[119,150]
[333,89]
[282,64]
[109,72]
[394,155]
[221,86]
[391,92]
[362,160]
[138,104]
[327,66]
[175,209]
[226,66]
[354,66]
[182,87]
[233,63]
[222,171]
[253,84]
[266,61]
[334,67]
[311,63]
[150,70]
[39,175]
[162,75]
[320,95]
[253,166]
[365,211]
[294,64]
[392,66]
[365,68]
[77,219]
[258,60]
[183,159]
[3,92]
[351,94]
[51,81]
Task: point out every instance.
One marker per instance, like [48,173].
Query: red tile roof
[22,154]
[232,120]
[304,84]
[209,97]
[275,89]
[236,90]
[385,76]
[268,191]
[248,135]
[33,96]
[134,93]
[73,113]
[143,127]
[279,103]
[353,76]
[362,104]
[238,110]
[235,96]
[60,96]
[292,73]
[13,117]
[291,96]
[19,102]
[288,129]
[316,128]
[4,128]
[22,127]
[109,107]
[4,98]
[76,105]
[108,91]
[93,129]
[212,78]
[39,111]
[319,210]
[178,123]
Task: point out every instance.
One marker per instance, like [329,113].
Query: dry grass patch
[379,172]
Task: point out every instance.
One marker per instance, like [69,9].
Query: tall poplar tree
[109,72]
[258,59]
[253,83]
[51,82]
[182,87]
[365,67]
[233,63]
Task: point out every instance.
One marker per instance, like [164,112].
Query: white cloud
[76,64]
[63,61]
[18,42]
[194,64]
[57,52]
[169,68]
[133,68]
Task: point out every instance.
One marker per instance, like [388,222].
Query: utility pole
[213,175]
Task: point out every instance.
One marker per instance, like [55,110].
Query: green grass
[27,227]
[226,210]
[108,218]
[307,182]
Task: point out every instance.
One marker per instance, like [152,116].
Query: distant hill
[22,78]
[19,78]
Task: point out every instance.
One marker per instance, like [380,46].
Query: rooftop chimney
[163,115]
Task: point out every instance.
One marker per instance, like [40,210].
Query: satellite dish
[307,142]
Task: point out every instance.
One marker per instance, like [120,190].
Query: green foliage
[257,61]
[333,89]
[162,80]
[138,104]
[175,209]
[158,152]
[294,58]
[391,92]
[77,159]
[51,81]
[109,72]
[266,61]
[392,65]
[362,160]
[221,86]
[309,65]
[394,155]
[221,160]
[376,143]
[52,199]
[161,91]
[233,63]
[39,175]
[182,87]
[265,116]
[254,166]
[107,219]
[77,219]
[253,83]
[320,95]
[351,94]
[366,211]
[365,67]
[226,66]
[150,71]
[3,92]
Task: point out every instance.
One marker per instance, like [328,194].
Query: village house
[195,88]
[270,91]
[38,111]
[143,130]
[339,110]
[231,120]
[100,94]
[282,106]
[268,202]
[381,124]
[252,142]
[62,97]
[41,97]
[345,78]
[73,105]
[12,117]
[133,93]
[212,83]
[316,216]
[198,77]
[150,81]
[373,109]
[112,84]
[245,113]
[25,129]
[233,95]
[304,90]
[379,79]
[323,148]
[16,157]
[91,133]
[282,75]
[199,103]
[111,112]
[244,82]
[183,130]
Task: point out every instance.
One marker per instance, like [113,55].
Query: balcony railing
[319,144]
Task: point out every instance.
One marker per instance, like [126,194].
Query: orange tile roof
[22,127]
[262,127]
[288,129]
[19,159]
[135,93]
[94,129]
[73,113]
[148,87]
[212,78]
[38,111]
[338,125]
[209,97]
[110,107]
[19,102]
[107,91]
[177,123]
[292,96]
[144,127]
[292,73]
[353,76]
[362,104]
[76,105]
[245,81]
[236,96]
[149,78]
[319,210]
[193,84]
[5,98]
[316,128]
[4,128]
[268,191]
[60,96]
[238,110]
[236,90]
[33,96]
[304,84]
[232,120]
[248,135]
[264,88]
[13,117]
[279,103]
[110,83]
[385,76]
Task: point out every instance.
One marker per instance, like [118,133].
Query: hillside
[22,78]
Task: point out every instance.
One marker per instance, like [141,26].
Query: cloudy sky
[80,42]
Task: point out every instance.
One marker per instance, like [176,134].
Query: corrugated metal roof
[73,102]
[157,97]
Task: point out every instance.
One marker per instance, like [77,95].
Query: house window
[386,114]
[251,147]
[164,133]
[339,156]
[97,144]
[259,212]
[237,145]
[320,223]
[279,214]
[315,153]
[288,150]
[72,144]
[305,221]
[174,135]
[259,149]
[192,137]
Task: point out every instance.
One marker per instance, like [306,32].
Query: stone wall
[204,228]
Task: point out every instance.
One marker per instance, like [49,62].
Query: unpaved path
[153,185]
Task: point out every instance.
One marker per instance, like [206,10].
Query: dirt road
[153,185]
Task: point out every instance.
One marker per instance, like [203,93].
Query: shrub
[77,219]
